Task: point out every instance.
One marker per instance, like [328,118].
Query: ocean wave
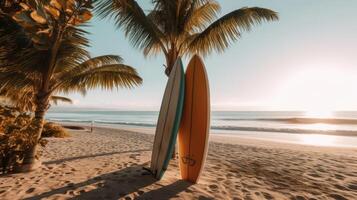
[287,130]
[299,120]
[69,120]
[127,123]
[105,122]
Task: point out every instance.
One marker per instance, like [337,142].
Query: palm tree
[42,50]
[181,27]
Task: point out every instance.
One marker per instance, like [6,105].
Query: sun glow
[321,126]
[317,89]
[319,140]
[319,114]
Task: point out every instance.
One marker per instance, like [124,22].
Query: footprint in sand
[220,179]
[298,198]
[340,187]
[229,175]
[279,184]
[206,198]
[314,175]
[267,196]
[227,183]
[352,187]
[30,190]
[218,167]
[339,177]
[248,197]
[132,156]
[237,187]
[213,187]
[337,197]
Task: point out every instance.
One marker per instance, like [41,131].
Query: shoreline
[349,142]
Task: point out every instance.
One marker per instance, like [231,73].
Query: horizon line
[213,110]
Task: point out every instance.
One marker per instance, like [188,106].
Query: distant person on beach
[91,126]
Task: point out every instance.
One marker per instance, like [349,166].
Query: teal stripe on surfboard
[176,123]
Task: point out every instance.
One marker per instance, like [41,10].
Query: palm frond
[166,14]
[17,52]
[16,81]
[130,16]
[200,16]
[105,77]
[88,65]
[221,33]
[72,51]
[56,99]
[22,99]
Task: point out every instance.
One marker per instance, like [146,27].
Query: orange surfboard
[195,121]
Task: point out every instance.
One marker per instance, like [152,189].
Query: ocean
[342,123]
[313,128]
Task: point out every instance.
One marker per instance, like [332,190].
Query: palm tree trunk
[170,61]
[31,162]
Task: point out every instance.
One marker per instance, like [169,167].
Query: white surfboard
[169,121]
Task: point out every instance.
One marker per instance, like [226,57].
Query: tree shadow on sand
[116,185]
[166,192]
[92,156]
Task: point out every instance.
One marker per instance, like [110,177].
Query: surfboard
[168,121]
[195,122]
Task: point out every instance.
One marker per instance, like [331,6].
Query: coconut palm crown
[43,52]
[182,27]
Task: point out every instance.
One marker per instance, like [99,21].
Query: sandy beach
[107,164]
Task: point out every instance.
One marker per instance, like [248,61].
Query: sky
[305,61]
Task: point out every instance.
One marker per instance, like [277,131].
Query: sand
[107,164]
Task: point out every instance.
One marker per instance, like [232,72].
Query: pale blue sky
[307,60]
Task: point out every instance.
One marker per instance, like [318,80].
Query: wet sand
[107,164]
